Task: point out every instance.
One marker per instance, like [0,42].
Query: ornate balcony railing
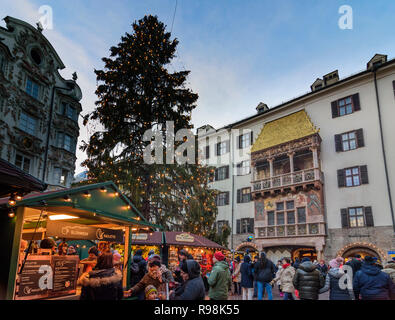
[293,230]
[288,179]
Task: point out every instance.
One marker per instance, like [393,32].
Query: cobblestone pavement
[276,295]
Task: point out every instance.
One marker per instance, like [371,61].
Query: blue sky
[239,52]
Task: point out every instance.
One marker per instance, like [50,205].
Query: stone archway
[362,248]
[247,245]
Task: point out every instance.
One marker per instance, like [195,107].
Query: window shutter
[250,196]
[216,175]
[215,226]
[341,179]
[393,85]
[364,174]
[369,217]
[227,198]
[227,146]
[217,149]
[251,225]
[355,99]
[207,152]
[227,172]
[252,138]
[360,140]
[239,142]
[238,225]
[338,143]
[344,216]
[238,195]
[335,111]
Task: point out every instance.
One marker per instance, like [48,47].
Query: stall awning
[13,179]
[189,239]
[92,204]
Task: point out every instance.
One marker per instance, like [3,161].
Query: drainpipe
[231,168]
[383,147]
[49,126]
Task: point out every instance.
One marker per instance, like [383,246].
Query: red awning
[147,239]
[13,179]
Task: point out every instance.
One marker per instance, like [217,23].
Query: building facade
[39,109]
[322,169]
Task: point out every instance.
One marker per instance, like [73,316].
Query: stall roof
[175,238]
[13,179]
[153,239]
[93,202]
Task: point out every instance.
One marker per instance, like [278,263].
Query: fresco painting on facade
[259,211]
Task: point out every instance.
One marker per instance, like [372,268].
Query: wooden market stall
[96,212]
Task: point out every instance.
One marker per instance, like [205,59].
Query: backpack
[134,268]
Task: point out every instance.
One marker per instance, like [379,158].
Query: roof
[109,203]
[294,126]
[13,179]
[177,238]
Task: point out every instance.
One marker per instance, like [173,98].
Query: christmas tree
[136,92]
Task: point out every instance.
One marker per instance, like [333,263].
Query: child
[151,293]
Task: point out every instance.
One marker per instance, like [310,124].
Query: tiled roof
[294,126]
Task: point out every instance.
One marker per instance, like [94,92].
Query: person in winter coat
[167,275]
[247,279]
[390,270]
[308,280]
[285,275]
[279,269]
[264,272]
[140,267]
[193,287]
[153,277]
[322,267]
[296,263]
[220,279]
[104,282]
[332,282]
[254,264]
[355,263]
[236,276]
[372,283]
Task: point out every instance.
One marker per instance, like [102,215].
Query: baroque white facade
[38,108]
[349,165]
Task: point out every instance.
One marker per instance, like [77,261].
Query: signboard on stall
[139,236]
[82,232]
[65,273]
[185,237]
[35,278]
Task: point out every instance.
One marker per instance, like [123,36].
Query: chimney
[262,107]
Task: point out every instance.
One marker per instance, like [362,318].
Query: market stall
[98,213]
[169,244]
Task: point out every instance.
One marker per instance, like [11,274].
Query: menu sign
[82,232]
[65,273]
[36,278]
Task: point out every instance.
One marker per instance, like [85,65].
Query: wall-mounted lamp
[87,194]
[11,214]
[67,198]
[103,189]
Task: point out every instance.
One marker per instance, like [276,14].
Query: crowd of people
[250,278]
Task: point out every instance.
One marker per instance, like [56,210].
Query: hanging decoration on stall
[82,232]
[184,237]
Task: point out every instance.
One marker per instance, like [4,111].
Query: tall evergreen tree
[136,92]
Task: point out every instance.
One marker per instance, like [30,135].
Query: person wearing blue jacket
[247,279]
[372,283]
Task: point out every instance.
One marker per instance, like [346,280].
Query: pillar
[291,161]
[315,157]
[270,160]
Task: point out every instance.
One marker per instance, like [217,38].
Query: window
[207,153]
[223,199]
[245,225]
[2,61]
[352,177]
[69,111]
[22,162]
[345,106]
[243,168]
[349,140]
[221,224]
[280,218]
[222,148]
[27,123]
[357,217]
[63,177]
[222,173]
[57,172]
[32,88]
[36,56]
[291,217]
[244,195]
[245,140]
[270,218]
[66,142]
[301,215]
